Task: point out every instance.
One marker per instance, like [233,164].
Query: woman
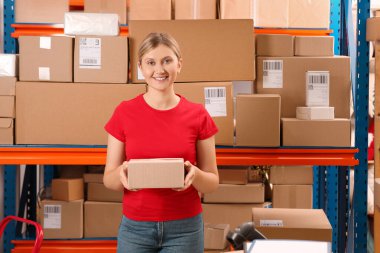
[161,124]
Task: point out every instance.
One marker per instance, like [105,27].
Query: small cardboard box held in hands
[156,173]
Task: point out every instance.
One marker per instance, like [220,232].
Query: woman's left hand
[190,176]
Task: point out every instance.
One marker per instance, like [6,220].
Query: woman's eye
[150,63]
[167,61]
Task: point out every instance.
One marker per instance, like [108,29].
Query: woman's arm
[204,177]
[114,164]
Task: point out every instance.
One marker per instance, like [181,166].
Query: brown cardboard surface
[297,224]
[71,171]
[79,122]
[296,175]
[309,14]
[228,193]
[194,9]
[274,45]
[314,46]
[377,192]
[102,219]
[195,92]
[212,50]
[236,9]
[312,113]
[7,85]
[231,175]
[7,106]
[293,91]
[149,10]
[293,196]
[373,29]
[93,178]
[98,192]
[258,120]
[61,219]
[67,189]
[6,130]
[232,214]
[271,13]
[108,6]
[215,236]
[113,65]
[334,133]
[40,11]
[156,173]
[377,77]
[52,62]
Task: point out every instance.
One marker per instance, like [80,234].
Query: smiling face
[160,67]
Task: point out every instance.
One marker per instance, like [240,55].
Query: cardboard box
[61,219]
[8,65]
[71,171]
[220,46]
[271,13]
[233,175]
[295,175]
[377,192]
[150,10]
[46,58]
[236,9]
[108,6]
[286,246]
[91,24]
[93,178]
[229,193]
[332,133]
[294,224]
[293,196]
[79,122]
[67,189]
[156,173]
[102,59]
[220,107]
[373,29]
[7,106]
[98,192]
[258,120]
[232,214]
[195,9]
[312,113]
[309,14]
[274,45]
[7,86]
[242,87]
[215,236]
[40,11]
[6,131]
[377,77]
[314,46]
[102,219]
[286,76]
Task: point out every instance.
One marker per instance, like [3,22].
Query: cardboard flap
[6,122]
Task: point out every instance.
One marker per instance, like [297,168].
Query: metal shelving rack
[331,177]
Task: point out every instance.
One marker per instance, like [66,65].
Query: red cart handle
[39,232]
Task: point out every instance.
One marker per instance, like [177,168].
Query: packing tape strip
[195,9]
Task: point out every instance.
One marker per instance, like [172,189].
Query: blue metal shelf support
[336,24]
[9,42]
[10,174]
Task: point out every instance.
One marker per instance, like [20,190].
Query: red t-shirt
[151,133]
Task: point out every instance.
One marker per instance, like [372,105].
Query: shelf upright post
[10,46]
[10,176]
[336,24]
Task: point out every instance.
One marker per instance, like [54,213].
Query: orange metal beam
[225,156]
[303,32]
[76,3]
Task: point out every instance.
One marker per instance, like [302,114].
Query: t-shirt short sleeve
[207,127]
[115,125]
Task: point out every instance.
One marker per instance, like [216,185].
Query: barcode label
[216,101]
[273,74]
[317,88]
[52,216]
[90,53]
[271,223]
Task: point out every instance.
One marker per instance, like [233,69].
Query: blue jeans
[184,236]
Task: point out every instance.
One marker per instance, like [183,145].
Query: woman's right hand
[124,174]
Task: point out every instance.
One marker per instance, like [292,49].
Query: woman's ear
[179,65]
[139,64]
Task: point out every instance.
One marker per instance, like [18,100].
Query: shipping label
[317,88]
[271,223]
[273,74]
[90,53]
[52,216]
[216,101]
[45,42]
[44,73]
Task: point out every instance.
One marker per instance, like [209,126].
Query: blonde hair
[153,40]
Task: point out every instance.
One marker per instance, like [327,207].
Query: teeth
[160,78]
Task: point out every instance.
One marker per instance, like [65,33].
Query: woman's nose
[159,68]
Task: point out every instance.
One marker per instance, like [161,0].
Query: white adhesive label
[90,53]
[215,101]
[139,74]
[273,74]
[52,216]
[271,223]
[45,42]
[317,88]
[44,73]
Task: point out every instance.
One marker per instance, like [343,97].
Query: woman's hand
[124,176]
[191,175]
